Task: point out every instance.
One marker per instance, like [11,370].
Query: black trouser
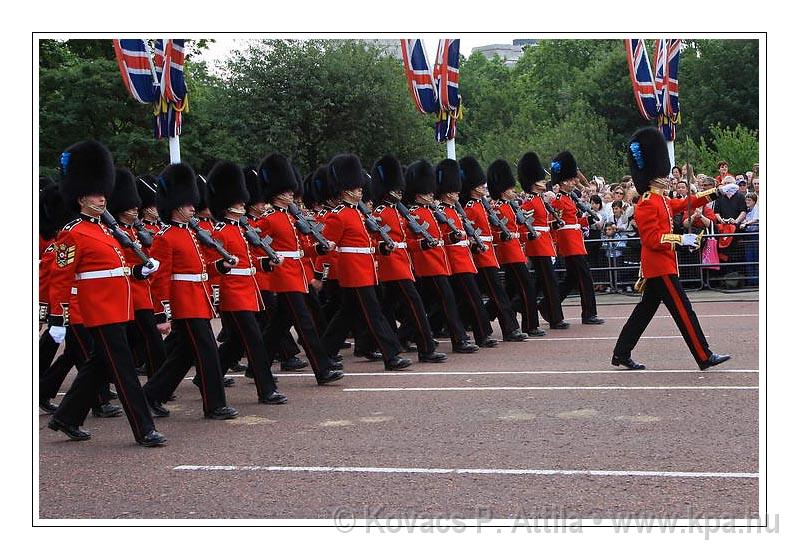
[293,310]
[665,289]
[150,345]
[362,303]
[402,295]
[191,342]
[111,354]
[330,299]
[579,275]
[547,284]
[470,305]
[78,346]
[519,281]
[244,335]
[499,304]
[47,351]
[436,290]
[282,344]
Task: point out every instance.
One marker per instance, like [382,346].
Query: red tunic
[345,227]
[46,259]
[653,215]
[459,254]
[428,262]
[569,239]
[139,288]
[477,213]
[84,246]
[543,245]
[177,249]
[238,290]
[263,278]
[329,258]
[510,251]
[291,276]
[397,264]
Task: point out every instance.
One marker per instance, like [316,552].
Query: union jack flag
[446,73]
[667,56]
[419,76]
[136,67]
[644,87]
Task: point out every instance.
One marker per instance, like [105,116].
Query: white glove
[57,333]
[689,240]
[148,271]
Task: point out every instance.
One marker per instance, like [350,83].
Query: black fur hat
[226,187]
[277,175]
[86,168]
[321,186]
[252,184]
[499,177]
[345,172]
[648,157]
[563,167]
[298,177]
[45,182]
[309,194]
[448,177]
[177,186]
[420,179]
[472,174]
[53,213]
[367,194]
[387,176]
[530,171]
[202,189]
[126,195]
[147,187]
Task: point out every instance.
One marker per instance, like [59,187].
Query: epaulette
[470,203]
[268,212]
[71,224]
[338,208]
[379,208]
[50,248]
[646,195]
[413,207]
[219,225]
[164,229]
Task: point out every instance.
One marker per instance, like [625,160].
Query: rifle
[251,234]
[374,227]
[495,221]
[443,219]
[582,206]
[558,221]
[522,220]
[472,232]
[124,239]
[205,238]
[415,226]
[309,227]
[145,237]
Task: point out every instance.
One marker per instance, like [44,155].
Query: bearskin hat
[276,175]
[448,177]
[126,195]
[530,171]
[648,157]
[345,172]
[202,190]
[146,185]
[86,168]
[499,177]
[367,194]
[321,186]
[387,176]
[472,176]
[420,179]
[252,184]
[53,213]
[45,182]
[226,187]
[563,167]
[177,186]
[309,194]
[298,177]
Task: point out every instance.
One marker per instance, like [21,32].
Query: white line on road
[415,470]
[577,319]
[541,388]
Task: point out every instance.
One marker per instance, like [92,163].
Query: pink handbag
[709,255]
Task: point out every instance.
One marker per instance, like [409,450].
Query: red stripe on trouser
[80,343]
[303,340]
[243,340]
[122,394]
[151,363]
[523,293]
[444,308]
[548,286]
[413,308]
[369,324]
[198,366]
[477,317]
[684,315]
[495,298]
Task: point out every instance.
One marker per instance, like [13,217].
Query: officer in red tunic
[395,271]
[89,257]
[460,256]
[146,185]
[182,299]
[356,266]
[648,159]
[541,251]
[473,196]
[569,239]
[431,266]
[510,253]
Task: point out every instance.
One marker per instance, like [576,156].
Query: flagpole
[451,149]
[671,150]
[174,141]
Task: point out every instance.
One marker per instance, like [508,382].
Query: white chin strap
[236,211]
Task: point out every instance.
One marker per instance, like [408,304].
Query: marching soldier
[146,186]
[540,251]
[395,271]
[569,238]
[431,266]
[88,256]
[182,299]
[473,193]
[648,159]
[510,253]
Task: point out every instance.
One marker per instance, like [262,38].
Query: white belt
[462,243]
[290,254]
[571,226]
[362,250]
[190,277]
[114,272]
[542,228]
[73,290]
[486,238]
[242,271]
[401,245]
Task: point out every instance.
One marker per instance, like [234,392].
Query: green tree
[739,147]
